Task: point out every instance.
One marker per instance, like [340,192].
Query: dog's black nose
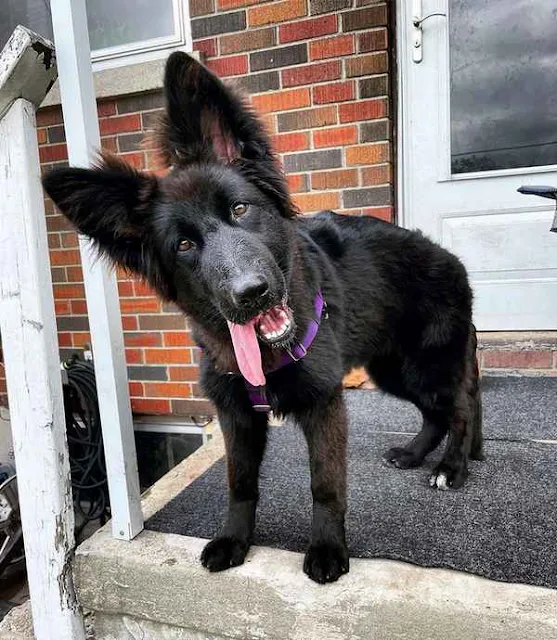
[249,288]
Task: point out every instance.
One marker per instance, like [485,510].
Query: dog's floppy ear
[111,204]
[205,120]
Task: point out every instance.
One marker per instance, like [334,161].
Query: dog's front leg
[325,428]
[245,435]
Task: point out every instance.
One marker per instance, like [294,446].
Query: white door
[478,119]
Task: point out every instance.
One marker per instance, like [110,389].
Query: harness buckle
[301,346]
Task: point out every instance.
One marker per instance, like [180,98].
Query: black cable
[83,425]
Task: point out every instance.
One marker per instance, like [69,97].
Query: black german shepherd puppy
[220,237]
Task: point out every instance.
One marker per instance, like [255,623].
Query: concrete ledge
[154,587]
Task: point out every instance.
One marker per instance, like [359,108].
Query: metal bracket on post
[73,56]
[30,345]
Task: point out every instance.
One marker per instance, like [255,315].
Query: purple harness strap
[258,395]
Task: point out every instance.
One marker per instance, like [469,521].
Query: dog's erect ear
[111,204]
[205,120]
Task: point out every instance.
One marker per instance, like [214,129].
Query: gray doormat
[501,525]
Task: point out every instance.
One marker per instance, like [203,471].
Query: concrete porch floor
[154,587]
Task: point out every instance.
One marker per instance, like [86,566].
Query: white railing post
[73,58]
[30,347]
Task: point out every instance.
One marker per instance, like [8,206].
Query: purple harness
[258,395]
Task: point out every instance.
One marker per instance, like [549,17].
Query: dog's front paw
[224,553]
[401,458]
[326,562]
[446,476]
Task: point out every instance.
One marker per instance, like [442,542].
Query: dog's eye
[239,208]
[185,245]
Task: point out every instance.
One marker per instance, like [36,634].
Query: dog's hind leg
[325,428]
[245,436]
[465,433]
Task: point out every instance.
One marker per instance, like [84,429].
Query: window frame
[152,49]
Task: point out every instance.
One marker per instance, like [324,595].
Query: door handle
[417,32]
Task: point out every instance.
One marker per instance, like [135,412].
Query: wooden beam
[29,343]
[73,57]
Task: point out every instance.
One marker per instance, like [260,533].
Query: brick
[229,65]
[286,100]
[251,40]
[201,7]
[141,288]
[380,174]
[62,307]
[335,137]
[375,40]
[367,65]
[120,124]
[78,307]
[135,159]
[367,154]
[290,142]
[373,196]
[81,339]
[58,223]
[276,12]
[75,274]
[178,339]
[42,136]
[130,142]
[141,102]
[167,356]
[49,116]
[136,389]
[147,373]
[150,407]
[65,339]
[374,87]
[307,119]
[309,74]
[308,29]
[279,57]
[54,241]
[72,323]
[142,339]
[110,143]
[64,257]
[312,160]
[140,305]
[309,202]
[260,82]
[150,119]
[67,291]
[332,47]
[106,108]
[125,289]
[527,359]
[129,323]
[362,110]
[56,134]
[183,374]
[162,322]
[134,356]
[225,5]
[334,179]
[375,131]
[368,18]
[383,213]
[328,6]
[222,23]
[208,47]
[199,408]
[53,153]
[169,389]
[297,182]
[58,274]
[337,92]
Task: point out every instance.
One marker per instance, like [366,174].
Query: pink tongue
[247,352]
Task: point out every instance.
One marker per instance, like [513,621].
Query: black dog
[220,237]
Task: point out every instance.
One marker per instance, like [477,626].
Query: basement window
[120,31]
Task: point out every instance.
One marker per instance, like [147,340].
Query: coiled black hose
[85,444]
